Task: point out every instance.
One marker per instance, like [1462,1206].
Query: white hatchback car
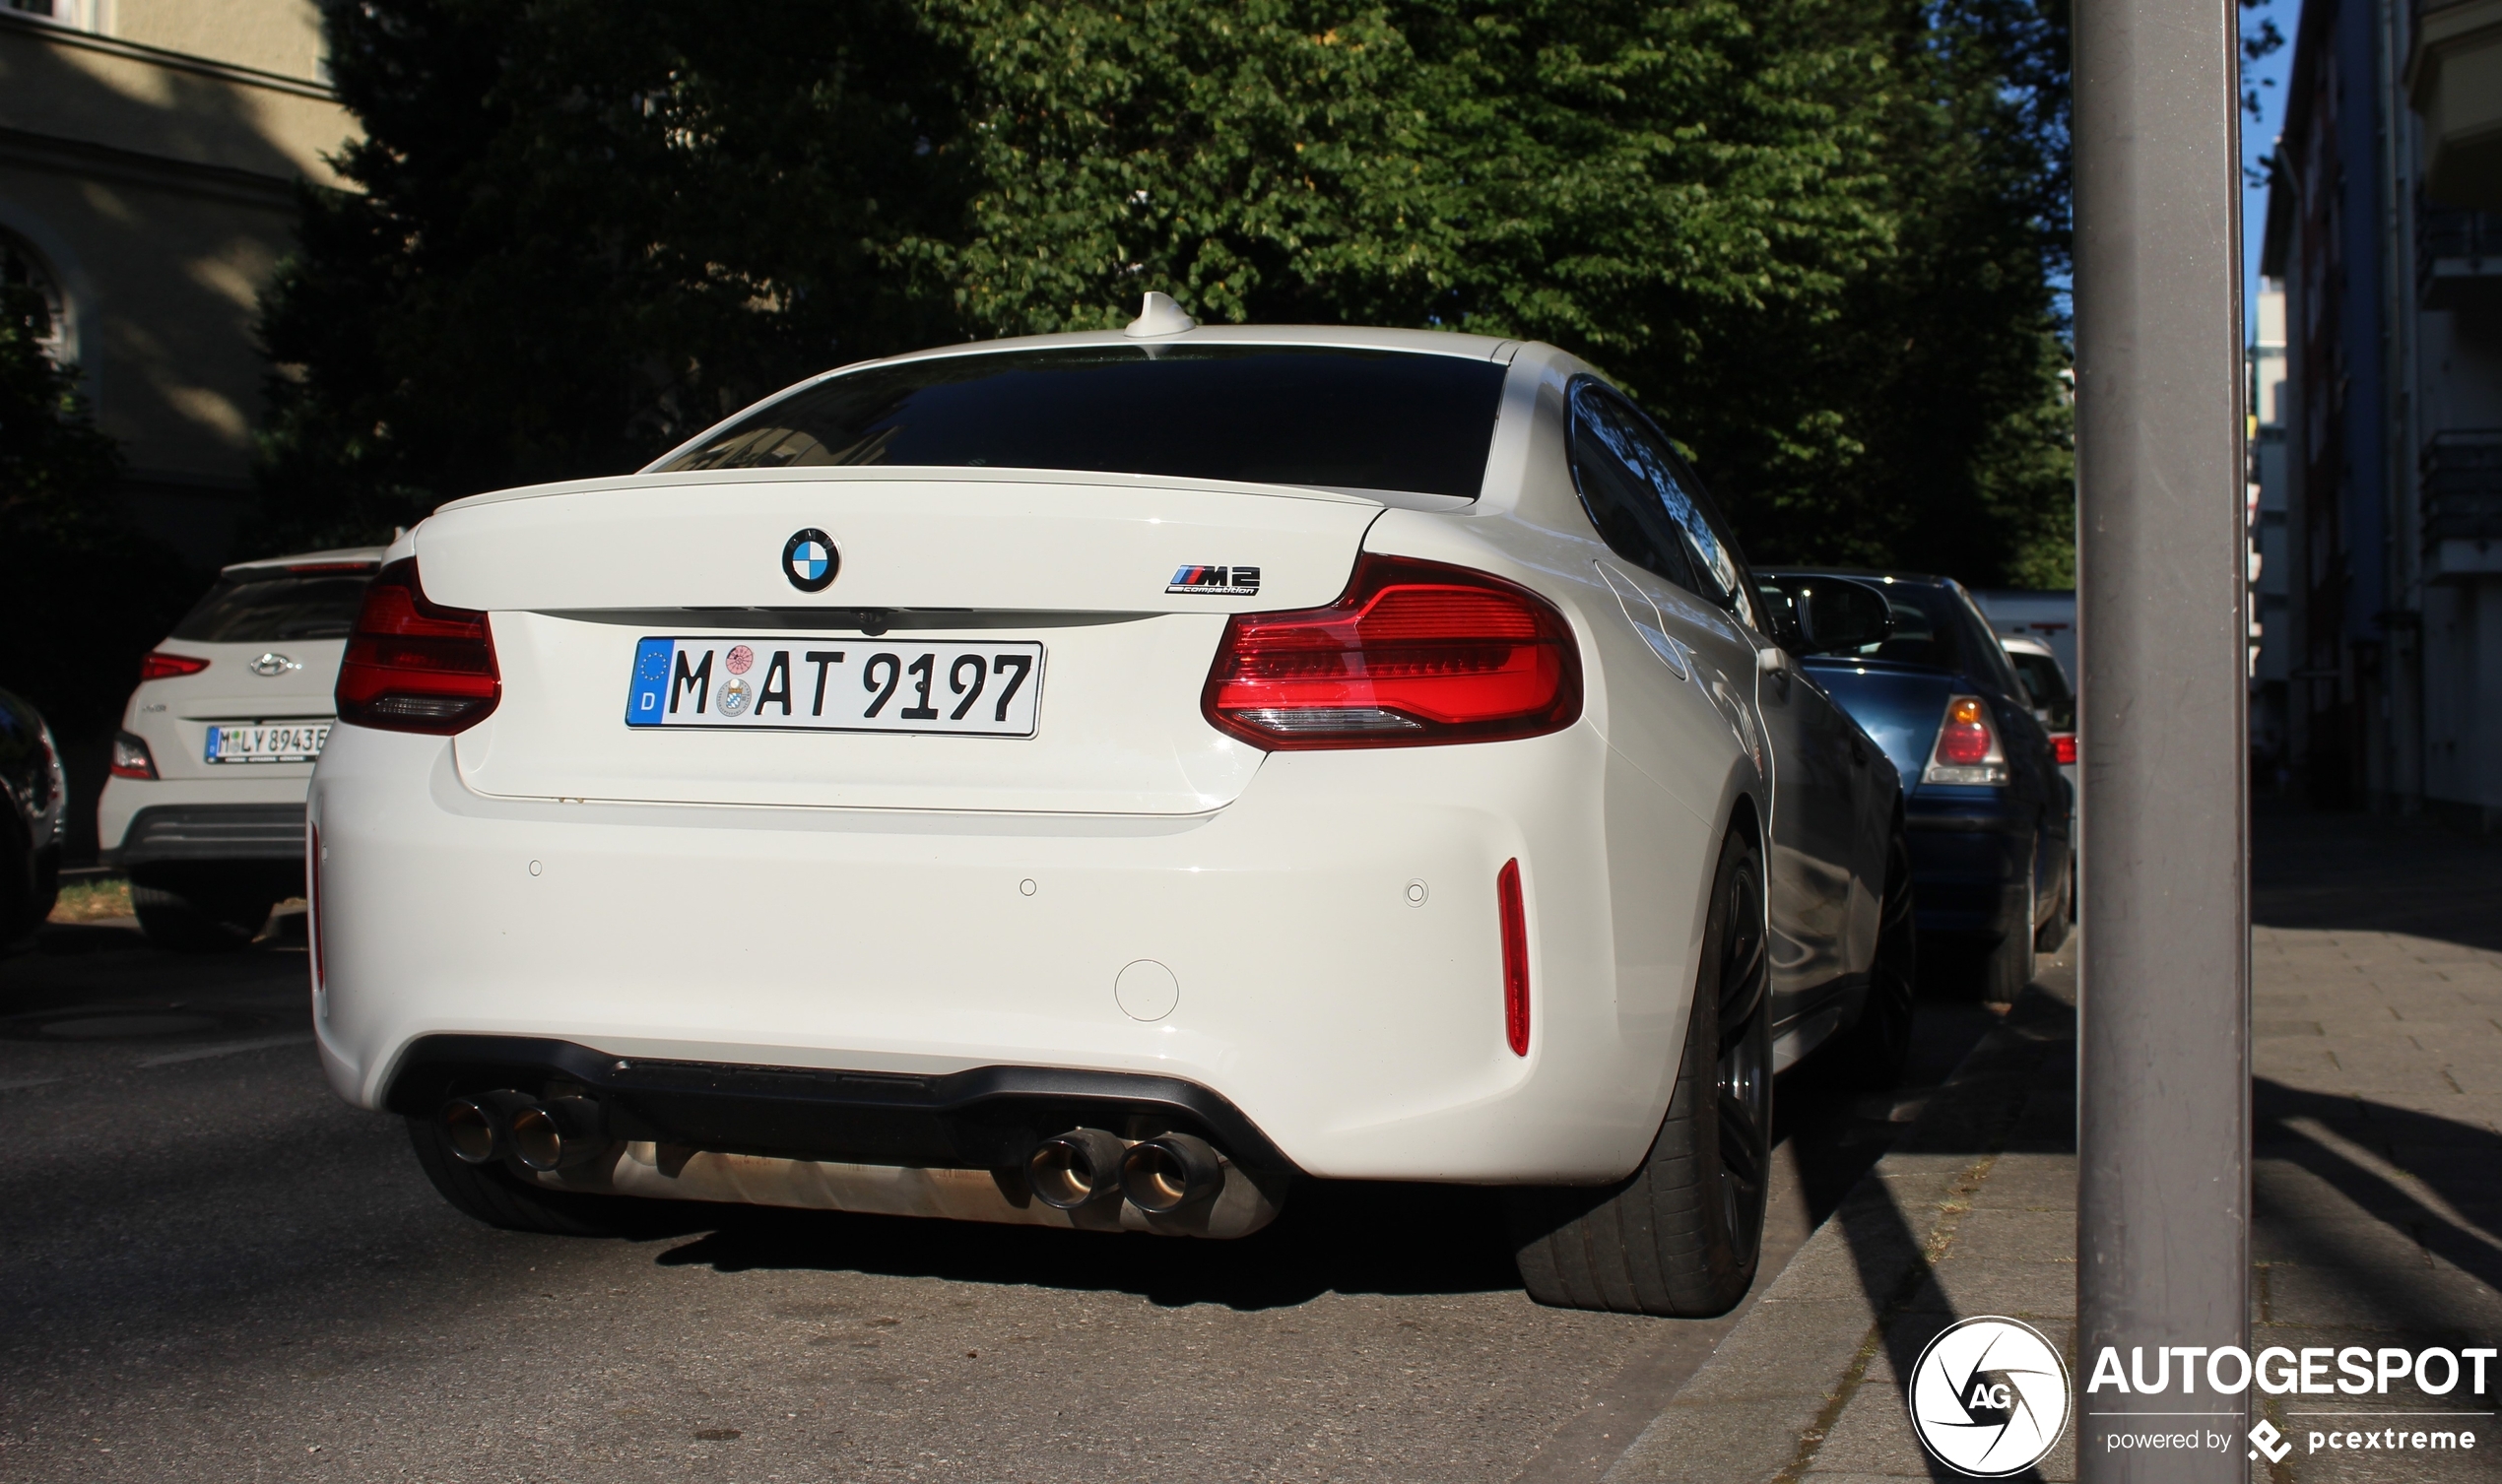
[1097,780]
[204,810]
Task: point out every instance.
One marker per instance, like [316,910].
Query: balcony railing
[2457,254]
[2463,485]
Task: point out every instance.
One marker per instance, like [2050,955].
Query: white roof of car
[336,557]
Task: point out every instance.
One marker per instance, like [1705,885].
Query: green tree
[81,595]
[584,230]
[1817,237]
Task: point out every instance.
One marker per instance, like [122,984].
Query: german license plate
[992,689]
[290,742]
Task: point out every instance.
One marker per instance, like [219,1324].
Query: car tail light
[1515,957]
[2062,748]
[131,758]
[1967,748]
[1415,653]
[160,665]
[415,666]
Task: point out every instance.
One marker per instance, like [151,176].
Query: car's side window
[1623,504]
[1625,465]
[1707,536]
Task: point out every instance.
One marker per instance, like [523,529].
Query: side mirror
[1836,615]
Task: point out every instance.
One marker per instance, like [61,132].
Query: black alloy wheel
[1745,1060]
[1682,1234]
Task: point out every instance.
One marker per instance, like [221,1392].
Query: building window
[20,270]
[78,14]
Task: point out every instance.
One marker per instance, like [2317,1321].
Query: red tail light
[1967,750]
[415,666]
[131,757]
[160,665]
[2062,748]
[1515,957]
[1415,653]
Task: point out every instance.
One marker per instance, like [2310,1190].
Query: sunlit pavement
[209,1268]
[2377,1178]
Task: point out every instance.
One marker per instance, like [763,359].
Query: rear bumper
[167,834]
[1333,934]
[1971,864]
[253,817]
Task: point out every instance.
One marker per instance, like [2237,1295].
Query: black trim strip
[977,1117]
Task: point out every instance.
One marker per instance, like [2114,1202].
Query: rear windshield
[255,609]
[1271,415]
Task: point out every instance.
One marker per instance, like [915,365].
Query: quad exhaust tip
[1075,1168]
[557,1134]
[1158,1176]
[1167,1174]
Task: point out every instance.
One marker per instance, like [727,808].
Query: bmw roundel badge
[810,561]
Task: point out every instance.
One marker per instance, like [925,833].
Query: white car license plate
[293,742]
[992,689]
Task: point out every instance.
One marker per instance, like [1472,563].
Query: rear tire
[2008,966]
[1871,1055]
[24,902]
[497,1197]
[196,922]
[1683,1235]
[2053,936]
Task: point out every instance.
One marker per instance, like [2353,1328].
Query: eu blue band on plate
[648,698]
[210,754]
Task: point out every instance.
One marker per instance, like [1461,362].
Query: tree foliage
[1817,238]
[81,595]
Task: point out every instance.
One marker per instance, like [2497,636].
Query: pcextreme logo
[2180,1378]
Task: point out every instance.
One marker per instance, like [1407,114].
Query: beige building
[149,154]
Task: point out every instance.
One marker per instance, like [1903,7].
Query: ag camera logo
[1989,1397]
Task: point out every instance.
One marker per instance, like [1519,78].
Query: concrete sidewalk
[2377,1185]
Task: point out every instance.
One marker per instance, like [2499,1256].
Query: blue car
[1985,805]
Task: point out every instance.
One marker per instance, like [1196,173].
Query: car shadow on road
[1342,1236]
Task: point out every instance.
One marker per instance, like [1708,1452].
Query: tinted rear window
[1273,414]
[266,609]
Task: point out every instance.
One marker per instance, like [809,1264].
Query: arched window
[20,268]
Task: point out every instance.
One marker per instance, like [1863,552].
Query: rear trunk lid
[1124,583]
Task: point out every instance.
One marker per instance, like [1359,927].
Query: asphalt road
[212,1269]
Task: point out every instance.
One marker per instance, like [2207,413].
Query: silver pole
[2164,1110]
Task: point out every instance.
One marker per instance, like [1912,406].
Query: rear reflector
[312,903]
[1415,653]
[415,666]
[131,757]
[1967,750]
[2062,748]
[1515,957]
[160,666]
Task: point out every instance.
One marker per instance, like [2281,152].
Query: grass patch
[91,899]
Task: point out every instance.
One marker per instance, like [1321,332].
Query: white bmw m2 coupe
[1101,781]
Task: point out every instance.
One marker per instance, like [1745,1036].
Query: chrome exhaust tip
[478,1127]
[1164,1175]
[557,1134]
[1075,1169]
